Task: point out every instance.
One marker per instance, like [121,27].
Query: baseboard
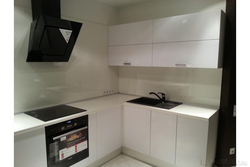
[144,158]
[106,158]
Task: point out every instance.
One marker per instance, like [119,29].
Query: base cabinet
[108,131]
[30,149]
[191,142]
[136,129]
[163,136]
[196,141]
[175,139]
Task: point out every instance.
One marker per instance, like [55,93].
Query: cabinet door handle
[181,65]
[128,64]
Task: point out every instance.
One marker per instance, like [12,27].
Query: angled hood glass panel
[52,39]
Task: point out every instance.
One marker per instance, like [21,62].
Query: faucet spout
[161,99]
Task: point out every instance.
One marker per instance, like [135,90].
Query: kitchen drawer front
[195,54]
[132,33]
[132,55]
[197,26]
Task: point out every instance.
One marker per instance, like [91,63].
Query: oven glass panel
[68,144]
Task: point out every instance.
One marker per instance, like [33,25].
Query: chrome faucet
[163,100]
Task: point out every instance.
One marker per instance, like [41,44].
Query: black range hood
[52,39]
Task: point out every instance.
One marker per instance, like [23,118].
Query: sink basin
[154,103]
[145,101]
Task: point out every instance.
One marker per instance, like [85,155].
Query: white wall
[201,86]
[86,75]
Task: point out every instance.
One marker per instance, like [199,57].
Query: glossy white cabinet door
[192,135]
[197,26]
[30,149]
[108,131]
[132,33]
[133,55]
[196,54]
[163,136]
[136,129]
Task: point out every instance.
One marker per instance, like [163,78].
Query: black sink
[145,101]
[154,102]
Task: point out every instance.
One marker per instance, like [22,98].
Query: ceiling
[121,3]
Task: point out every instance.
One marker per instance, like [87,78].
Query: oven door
[68,148]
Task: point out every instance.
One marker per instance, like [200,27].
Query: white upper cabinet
[191,40]
[196,54]
[197,26]
[132,55]
[132,33]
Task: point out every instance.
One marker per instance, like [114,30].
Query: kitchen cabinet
[131,43]
[108,134]
[131,33]
[192,40]
[132,55]
[136,129]
[163,136]
[30,149]
[196,141]
[189,27]
[196,54]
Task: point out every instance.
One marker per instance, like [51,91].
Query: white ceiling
[121,3]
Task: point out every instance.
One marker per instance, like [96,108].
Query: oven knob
[75,124]
[63,128]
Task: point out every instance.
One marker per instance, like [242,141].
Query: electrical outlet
[107,92]
[232,151]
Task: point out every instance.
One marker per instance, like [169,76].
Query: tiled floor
[125,161]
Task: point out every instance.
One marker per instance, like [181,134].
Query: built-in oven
[67,142]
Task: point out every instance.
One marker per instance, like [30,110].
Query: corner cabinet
[191,40]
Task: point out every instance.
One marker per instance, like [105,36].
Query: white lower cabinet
[163,136]
[196,141]
[30,149]
[108,131]
[136,129]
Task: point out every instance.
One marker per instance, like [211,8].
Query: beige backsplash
[202,86]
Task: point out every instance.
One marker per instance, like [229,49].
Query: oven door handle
[65,134]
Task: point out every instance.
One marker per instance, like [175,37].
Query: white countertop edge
[179,110]
[55,121]
[175,110]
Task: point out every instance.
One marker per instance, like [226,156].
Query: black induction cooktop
[50,113]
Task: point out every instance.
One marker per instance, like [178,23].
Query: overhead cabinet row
[192,40]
